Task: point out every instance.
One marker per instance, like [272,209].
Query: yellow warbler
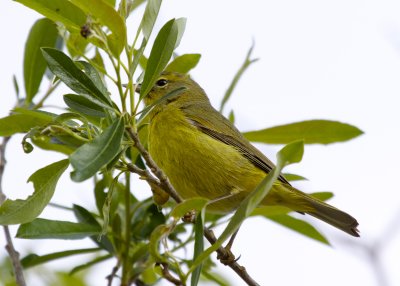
[204,155]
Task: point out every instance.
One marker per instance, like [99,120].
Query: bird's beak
[138,86]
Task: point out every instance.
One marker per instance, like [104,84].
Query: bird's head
[168,82]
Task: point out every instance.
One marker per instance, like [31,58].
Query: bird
[204,155]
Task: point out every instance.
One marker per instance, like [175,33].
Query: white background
[336,60]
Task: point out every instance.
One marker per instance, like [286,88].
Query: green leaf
[92,156]
[323,196]
[236,78]
[55,229]
[216,277]
[33,259]
[181,25]
[146,219]
[20,123]
[291,153]
[98,61]
[39,114]
[44,182]
[184,63]
[231,117]
[294,177]
[65,69]
[85,105]
[135,4]
[16,86]
[138,58]
[76,44]
[68,119]
[84,216]
[100,193]
[48,143]
[160,54]
[89,264]
[146,111]
[149,17]
[58,11]
[198,245]
[311,131]
[111,2]
[106,15]
[300,226]
[147,24]
[42,34]
[158,233]
[93,75]
[188,205]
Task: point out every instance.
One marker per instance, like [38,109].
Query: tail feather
[304,203]
[334,217]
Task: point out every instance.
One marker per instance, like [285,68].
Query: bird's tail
[301,202]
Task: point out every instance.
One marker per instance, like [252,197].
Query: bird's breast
[199,165]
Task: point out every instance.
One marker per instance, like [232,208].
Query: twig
[12,253]
[143,173]
[113,273]
[167,275]
[164,182]
[3,165]
[49,91]
[222,252]
[166,186]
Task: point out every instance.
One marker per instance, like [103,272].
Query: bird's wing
[221,129]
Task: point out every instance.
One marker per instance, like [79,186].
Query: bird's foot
[226,256]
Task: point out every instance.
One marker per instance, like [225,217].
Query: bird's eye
[161,82]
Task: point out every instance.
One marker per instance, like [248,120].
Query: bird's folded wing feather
[222,130]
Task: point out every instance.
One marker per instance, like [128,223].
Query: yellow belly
[198,165]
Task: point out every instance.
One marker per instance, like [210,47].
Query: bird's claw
[227,257]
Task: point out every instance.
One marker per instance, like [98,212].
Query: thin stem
[12,253]
[126,265]
[117,68]
[167,275]
[112,274]
[49,91]
[164,182]
[240,270]
[143,173]
[99,68]
[130,87]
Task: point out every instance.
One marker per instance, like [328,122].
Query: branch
[167,187]
[164,182]
[167,275]
[222,252]
[12,253]
[113,273]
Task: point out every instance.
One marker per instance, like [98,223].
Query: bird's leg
[190,216]
[228,257]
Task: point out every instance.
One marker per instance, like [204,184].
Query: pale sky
[337,60]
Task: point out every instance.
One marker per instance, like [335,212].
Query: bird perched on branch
[204,155]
